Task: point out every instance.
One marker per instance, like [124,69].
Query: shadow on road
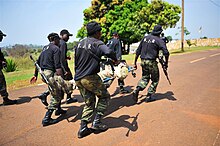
[78,97]
[160,96]
[117,90]
[71,111]
[124,100]
[121,121]
[25,99]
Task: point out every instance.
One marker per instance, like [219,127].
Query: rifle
[162,62]
[41,73]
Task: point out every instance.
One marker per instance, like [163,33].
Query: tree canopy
[132,19]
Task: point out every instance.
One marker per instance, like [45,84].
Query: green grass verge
[21,77]
[193,49]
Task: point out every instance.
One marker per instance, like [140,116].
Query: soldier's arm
[2,56]
[163,47]
[57,63]
[34,78]
[138,52]
[63,56]
[107,52]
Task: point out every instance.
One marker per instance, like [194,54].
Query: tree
[132,19]
[169,38]
[18,50]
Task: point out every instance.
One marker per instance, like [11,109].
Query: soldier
[87,65]
[3,86]
[49,61]
[64,34]
[148,50]
[115,45]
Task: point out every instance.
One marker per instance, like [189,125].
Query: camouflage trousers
[3,88]
[58,87]
[150,71]
[90,87]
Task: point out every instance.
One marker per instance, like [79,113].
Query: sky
[30,21]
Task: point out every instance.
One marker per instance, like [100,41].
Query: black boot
[84,130]
[47,120]
[7,101]
[123,90]
[59,110]
[70,100]
[43,97]
[98,125]
[135,93]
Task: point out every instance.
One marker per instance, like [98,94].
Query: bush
[11,65]
[24,62]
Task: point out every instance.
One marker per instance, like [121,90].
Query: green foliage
[24,62]
[169,38]
[189,43]
[18,50]
[186,32]
[68,54]
[132,19]
[71,45]
[4,52]
[204,37]
[11,66]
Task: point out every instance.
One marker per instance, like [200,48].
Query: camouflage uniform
[90,87]
[149,71]
[59,87]
[3,88]
[149,50]
[55,92]
[88,55]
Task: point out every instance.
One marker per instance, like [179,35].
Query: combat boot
[59,110]
[47,120]
[123,90]
[43,97]
[135,93]
[98,125]
[70,100]
[84,130]
[7,101]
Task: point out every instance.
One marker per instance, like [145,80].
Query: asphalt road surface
[186,113]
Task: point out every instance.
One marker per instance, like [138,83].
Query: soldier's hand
[116,62]
[59,72]
[68,58]
[66,73]
[135,66]
[166,66]
[33,80]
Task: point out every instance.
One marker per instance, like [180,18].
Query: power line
[214,3]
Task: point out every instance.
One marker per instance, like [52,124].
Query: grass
[193,49]
[21,78]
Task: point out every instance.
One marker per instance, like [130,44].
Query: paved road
[187,113]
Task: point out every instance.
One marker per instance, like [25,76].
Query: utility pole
[182,28]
